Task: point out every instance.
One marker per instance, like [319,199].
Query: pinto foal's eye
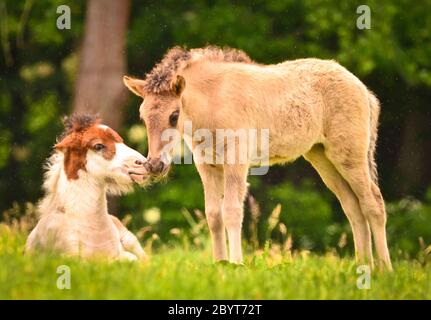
[99,147]
[173,118]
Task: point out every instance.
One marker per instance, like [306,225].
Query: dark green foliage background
[39,63]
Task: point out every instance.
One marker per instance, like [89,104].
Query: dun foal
[90,161]
[312,108]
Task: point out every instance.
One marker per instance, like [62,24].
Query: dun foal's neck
[202,82]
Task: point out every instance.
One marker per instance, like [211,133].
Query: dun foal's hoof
[228,263]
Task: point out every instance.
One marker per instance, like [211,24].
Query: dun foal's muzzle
[156,166]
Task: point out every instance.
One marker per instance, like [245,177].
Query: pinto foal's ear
[67,142]
[178,85]
[134,85]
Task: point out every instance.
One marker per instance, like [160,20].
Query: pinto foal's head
[91,147]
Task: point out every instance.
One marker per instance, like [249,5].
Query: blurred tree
[99,87]
[102,63]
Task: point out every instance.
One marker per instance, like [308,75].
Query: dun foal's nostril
[147,165]
[160,166]
[154,165]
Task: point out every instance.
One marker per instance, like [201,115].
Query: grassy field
[178,273]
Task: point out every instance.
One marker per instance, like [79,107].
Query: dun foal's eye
[173,118]
[98,147]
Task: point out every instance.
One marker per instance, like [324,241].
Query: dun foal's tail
[374,124]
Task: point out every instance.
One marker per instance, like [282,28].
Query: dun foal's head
[94,148]
[160,111]
[162,89]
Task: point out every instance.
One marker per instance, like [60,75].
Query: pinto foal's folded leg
[129,241]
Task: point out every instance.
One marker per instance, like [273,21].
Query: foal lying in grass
[89,162]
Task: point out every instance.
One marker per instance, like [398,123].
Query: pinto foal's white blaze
[90,162]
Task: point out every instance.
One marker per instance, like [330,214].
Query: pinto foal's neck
[84,197]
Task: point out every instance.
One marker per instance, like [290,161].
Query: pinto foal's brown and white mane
[89,162]
[311,107]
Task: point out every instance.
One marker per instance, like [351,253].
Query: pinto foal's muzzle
[136,168]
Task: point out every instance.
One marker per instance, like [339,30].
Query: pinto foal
[89,162]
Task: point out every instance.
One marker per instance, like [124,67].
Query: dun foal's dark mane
[160,77]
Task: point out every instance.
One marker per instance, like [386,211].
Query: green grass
[177,273]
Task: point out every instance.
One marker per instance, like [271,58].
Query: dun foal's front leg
[212,180]
[235,186]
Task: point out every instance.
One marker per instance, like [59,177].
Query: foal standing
[90,161]
[312,108]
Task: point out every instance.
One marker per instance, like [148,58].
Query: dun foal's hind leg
[235,188]
[353,166]
[212,180]
[336,183]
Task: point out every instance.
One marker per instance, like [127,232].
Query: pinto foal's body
[90,161]
[312,108]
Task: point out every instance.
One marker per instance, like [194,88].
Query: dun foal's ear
[134,85]
[178,85]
